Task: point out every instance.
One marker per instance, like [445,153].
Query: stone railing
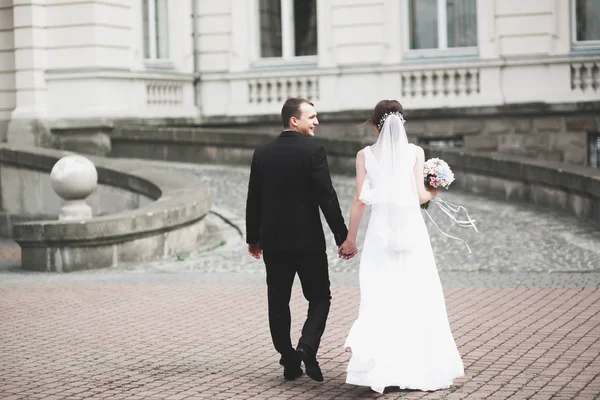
[440,83]
[585,76]
[164,93]
[560,185]
[278,89]
[420,84]
[141,214]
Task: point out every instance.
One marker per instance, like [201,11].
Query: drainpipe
[195,53]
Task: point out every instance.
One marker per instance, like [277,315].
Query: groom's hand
[254,250]
[347,250]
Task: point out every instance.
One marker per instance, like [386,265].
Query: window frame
[153,59]
[287,39]
[443,50]
[580,44]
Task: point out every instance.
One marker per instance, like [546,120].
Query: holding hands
[347,250]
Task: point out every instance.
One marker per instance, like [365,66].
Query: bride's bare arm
[357,208]
[425,194]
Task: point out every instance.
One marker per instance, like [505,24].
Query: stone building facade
[496,75]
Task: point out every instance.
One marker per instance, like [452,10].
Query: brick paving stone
[10,254]
[198,328]
[180,340]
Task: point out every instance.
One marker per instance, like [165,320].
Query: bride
[402,336]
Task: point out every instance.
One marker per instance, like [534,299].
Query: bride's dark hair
[382,108]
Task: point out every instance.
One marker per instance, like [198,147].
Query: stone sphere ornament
[74,178]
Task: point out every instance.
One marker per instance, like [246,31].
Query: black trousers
[313,272]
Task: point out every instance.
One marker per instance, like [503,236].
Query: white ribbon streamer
[449,209]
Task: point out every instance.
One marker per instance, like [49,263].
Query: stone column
[26,126]
[7,69]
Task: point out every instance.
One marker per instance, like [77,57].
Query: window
[156,29]
[594,150]
[586,23]
[442,24]
[282,39]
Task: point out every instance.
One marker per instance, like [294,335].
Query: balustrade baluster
[259,92]
[576,76]
[268,92]
[435,83]
[587,79]
[281,89]
[309,89]
[460,82]
[468,79]
[428,87]
[450,83]
[299,88]
[250,92]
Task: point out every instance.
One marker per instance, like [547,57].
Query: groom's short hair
[291,108]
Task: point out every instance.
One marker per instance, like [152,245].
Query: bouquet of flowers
[437,173]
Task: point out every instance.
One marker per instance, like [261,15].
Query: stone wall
[557,133]
[27,195]
[560,138]
[28,192]
[575,189]
[540,131]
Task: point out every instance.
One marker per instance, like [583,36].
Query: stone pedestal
[75,209]
[28,132]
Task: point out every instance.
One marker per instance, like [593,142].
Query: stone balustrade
[163,215]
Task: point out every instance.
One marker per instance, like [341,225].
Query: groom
[289,182]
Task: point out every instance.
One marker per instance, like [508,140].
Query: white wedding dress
[402,336]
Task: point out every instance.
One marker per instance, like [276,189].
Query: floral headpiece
[382,120]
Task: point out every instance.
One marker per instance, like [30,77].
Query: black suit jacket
[289,181]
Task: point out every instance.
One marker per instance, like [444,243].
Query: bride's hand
[347,250]
[432,190]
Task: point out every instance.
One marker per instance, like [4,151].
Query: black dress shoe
[310,363]
[291,367]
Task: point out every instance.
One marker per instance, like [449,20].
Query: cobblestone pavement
[524,309]
[512,237]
